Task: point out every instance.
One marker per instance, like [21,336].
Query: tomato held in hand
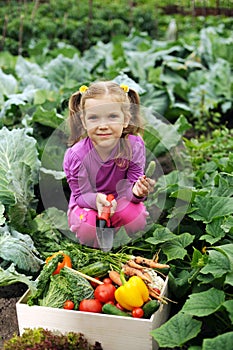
[68,305]
[137,312]
[90,305]
[105,292]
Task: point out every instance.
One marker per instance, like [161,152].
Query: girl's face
[104,122]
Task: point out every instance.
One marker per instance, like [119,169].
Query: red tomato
[137,312]
[65,262]
[68,305]
[105,292]
[110,302]
[95,284]
[107,280]
[90,305]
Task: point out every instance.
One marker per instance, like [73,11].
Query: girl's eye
[113,116]
[92,117]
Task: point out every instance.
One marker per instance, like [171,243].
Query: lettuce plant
[40,339]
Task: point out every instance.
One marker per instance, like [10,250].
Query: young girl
[106,156]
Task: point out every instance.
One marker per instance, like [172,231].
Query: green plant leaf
[11,276]
[63,71]
[175,249]
[19,248]
[218,264]
[198,259]
[47,117]
[176,331]
[222,341]
[2,218]
[204,303]
[209,208]
[19,169]
[8,84]
[228,304]
[227,249]
[214,231]
[179,283]
[25,67]
[161,234]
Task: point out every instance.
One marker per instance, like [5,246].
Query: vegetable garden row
[190,227]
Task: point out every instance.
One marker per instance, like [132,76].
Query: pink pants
[82,221]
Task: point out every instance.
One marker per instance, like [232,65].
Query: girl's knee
[130,215]
[82,222]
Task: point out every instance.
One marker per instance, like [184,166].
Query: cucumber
[150,307]
[96,269]
[150,169]
[113,310]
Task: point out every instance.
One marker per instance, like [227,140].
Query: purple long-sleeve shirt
[88,174]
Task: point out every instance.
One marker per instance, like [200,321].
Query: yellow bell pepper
[133,293]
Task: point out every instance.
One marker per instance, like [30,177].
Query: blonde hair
[130,105]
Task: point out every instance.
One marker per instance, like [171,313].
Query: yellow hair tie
[124,87]
[83,89]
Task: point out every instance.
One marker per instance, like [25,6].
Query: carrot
[150,263]
[156,256]
[133,264]
[130,271]
[115,277]
[155,295]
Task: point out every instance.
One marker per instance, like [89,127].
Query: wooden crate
[113,332]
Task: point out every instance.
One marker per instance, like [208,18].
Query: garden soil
[9,295]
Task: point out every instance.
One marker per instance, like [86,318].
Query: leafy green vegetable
[80,287]
[57,293]
[19,166]
[43,279]
[39,338]
[19,249]
[2,218]
[54,290]
[11,276]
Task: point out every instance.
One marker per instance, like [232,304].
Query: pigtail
[75,124]
[135,126]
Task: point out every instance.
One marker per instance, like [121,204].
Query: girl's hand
[143,186]
[101,201]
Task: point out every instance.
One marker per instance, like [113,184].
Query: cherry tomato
[65,262]
[68,305]
[107,280]
[137,312]
[110,302]
[105,292]
[90,305]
